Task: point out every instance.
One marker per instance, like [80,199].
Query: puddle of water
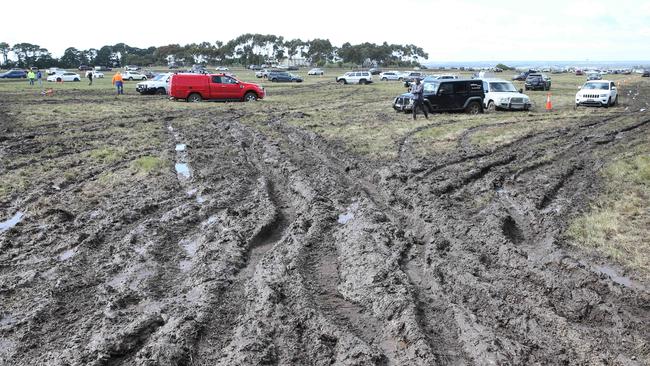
[140,250]
[192,192]
[200,199]
[7,319]
[642,110]
[181,147]
[13,221]
[67,254]
[183,170]
[621,280]
[344,218]
[170,128]
[190,246]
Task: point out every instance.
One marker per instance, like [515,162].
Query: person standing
[418,92]
[90,77]
[118,82]
[39,77]
[31,76]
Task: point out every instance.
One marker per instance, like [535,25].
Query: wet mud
[266,244]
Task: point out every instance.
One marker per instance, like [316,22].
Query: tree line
[244,50]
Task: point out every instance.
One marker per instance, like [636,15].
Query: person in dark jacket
[418,93]
[90,77]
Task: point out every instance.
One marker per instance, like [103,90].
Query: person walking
[89,74]
[31,76]
[118,82]
[418,92]
[39,77]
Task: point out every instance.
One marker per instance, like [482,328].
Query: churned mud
[264,243]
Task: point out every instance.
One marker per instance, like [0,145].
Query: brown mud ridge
[282,248]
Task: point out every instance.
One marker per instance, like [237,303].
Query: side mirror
[521,91]
[579,87]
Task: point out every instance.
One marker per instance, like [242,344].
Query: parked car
[375,71]
[85,67]
[390,75]
[96,74]
[133,75]
[537,82]
[66,76]
[316,71]
[159,84]
[54,70]
[148,73]
[579,72]
[410,76]
[292,68]
[254,67]
[594,76]
[501,94]
[283,76]
[13,74]
[131,68]
[446,96]
[102,68]
[520,77]
[645,74]
[600,93]
[222,68]
[197,87]
[264,73]
[355,77]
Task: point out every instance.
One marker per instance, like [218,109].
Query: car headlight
[504,100]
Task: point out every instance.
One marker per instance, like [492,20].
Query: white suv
[600,93]
[390,75]
[158,85]
[355,77]
[501,94]
[133,75]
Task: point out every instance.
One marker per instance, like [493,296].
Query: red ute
[196,87]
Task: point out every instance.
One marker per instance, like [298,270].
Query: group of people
[34,77]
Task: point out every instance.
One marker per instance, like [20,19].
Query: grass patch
[108,155]
[618,222]
[148,165]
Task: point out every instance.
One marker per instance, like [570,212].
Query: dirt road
[273,245]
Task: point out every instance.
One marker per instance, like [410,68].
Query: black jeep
[537,82]
[447,95]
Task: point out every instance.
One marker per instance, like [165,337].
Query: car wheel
[616,100]
[362,81]
[131,78]
[250,97]
[491,107]
[473,108]
[609,102]
[400,79]
[342,81]
[274,80]
[194,98]
[58,80]
[161,91]
[384,79]
[76,79]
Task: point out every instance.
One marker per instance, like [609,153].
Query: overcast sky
[460,30]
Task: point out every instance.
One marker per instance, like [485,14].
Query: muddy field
[140,231]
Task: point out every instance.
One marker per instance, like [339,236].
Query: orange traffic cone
[549,105]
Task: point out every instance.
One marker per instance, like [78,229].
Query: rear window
[460,88]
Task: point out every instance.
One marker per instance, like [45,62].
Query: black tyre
[194,98]
[161,91]
[58,79]
[363,82]
[473,108]
[491,108]
[342,81]
[616,100]
[131,78]
[250,97]
[76,79]
[609,102]
[384,79]
[274,80]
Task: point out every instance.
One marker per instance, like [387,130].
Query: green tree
[4,50]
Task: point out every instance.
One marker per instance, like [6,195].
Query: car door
[460,95]
[231,88]
[444,98]
[613,90]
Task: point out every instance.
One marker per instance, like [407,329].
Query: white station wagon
[599,93]
[66,76]
[355,77]
[501,94]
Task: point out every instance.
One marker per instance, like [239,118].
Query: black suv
[537,82]
[278,76]
[447,96]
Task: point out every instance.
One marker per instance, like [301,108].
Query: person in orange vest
[118,82]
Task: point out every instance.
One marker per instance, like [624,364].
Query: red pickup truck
[221,87]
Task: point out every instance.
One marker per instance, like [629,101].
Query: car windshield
[431,87]
[596,86]
[159,77]
[502,87]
